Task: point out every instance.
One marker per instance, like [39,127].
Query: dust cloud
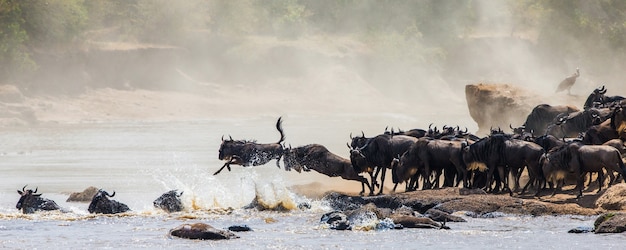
[202,59]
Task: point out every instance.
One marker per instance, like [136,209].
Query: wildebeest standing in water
[246,153]
[100,204]
[169,201]
[30,202]
[317,157]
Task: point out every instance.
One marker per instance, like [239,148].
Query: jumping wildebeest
[581,159]
[317,157]
[542,115]
[100,204]
[597,99]
[169,201]
[246,153]
[428,154]
[379,151]
[30,202]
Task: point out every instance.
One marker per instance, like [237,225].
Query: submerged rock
[417,222]
[441,216]
[201,231]
[336,220]
[610,223]
[240,228]
[581,230]
[84,196]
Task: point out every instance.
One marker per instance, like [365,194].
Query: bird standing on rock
[568,82]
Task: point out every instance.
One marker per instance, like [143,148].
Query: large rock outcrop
[498,105]
[614,198]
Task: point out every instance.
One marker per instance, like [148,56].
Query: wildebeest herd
[554,142]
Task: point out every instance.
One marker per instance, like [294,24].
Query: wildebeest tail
[279,127]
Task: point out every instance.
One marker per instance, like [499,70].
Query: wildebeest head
[30,201]
[169,201]
[596,97]
[101,204]
[358,160]
[618,122]
[229,148]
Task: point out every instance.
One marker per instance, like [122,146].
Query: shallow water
[140,161]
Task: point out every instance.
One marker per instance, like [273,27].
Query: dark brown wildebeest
[100,204]
[613,128]
[317,157]
[379,151]
[571,125]
[598,99]
[428,154]
[30,202]
[581,159]
[500,152]
[542,115]
[169,201]
[247,153]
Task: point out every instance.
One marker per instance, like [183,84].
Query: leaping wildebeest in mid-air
[246,153]
[317,157]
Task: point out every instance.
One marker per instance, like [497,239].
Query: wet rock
[441,216]
[581,230]
[201,231]
[614,198]
[610,223]
[417,222]
[240,228]
[470,191]
[336,220]
[84,196]
[169,201]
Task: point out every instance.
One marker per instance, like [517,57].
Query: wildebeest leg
[579,185]
[600,180]
[373,184]
[226,165]
[382,180]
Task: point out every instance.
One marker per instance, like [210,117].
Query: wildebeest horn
[231,138]
[602,88]
[465,130]
[34,192]
[348,146]
[510,126]
[24,188]
[350,135]
[429,125]
[222,137]
[107,193]
[362,134]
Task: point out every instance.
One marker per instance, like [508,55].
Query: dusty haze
[209,59]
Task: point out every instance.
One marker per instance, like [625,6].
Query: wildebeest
[30,201]
[169,201]
[542,115]
[581,159]
[379,151]
[597,99]
[571,125]
[498,152]
[100,204]
[613,128]
[246,153]
[428,154]
[317,157]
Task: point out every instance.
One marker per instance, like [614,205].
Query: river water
[140,161]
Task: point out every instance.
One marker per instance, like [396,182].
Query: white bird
[568,82]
